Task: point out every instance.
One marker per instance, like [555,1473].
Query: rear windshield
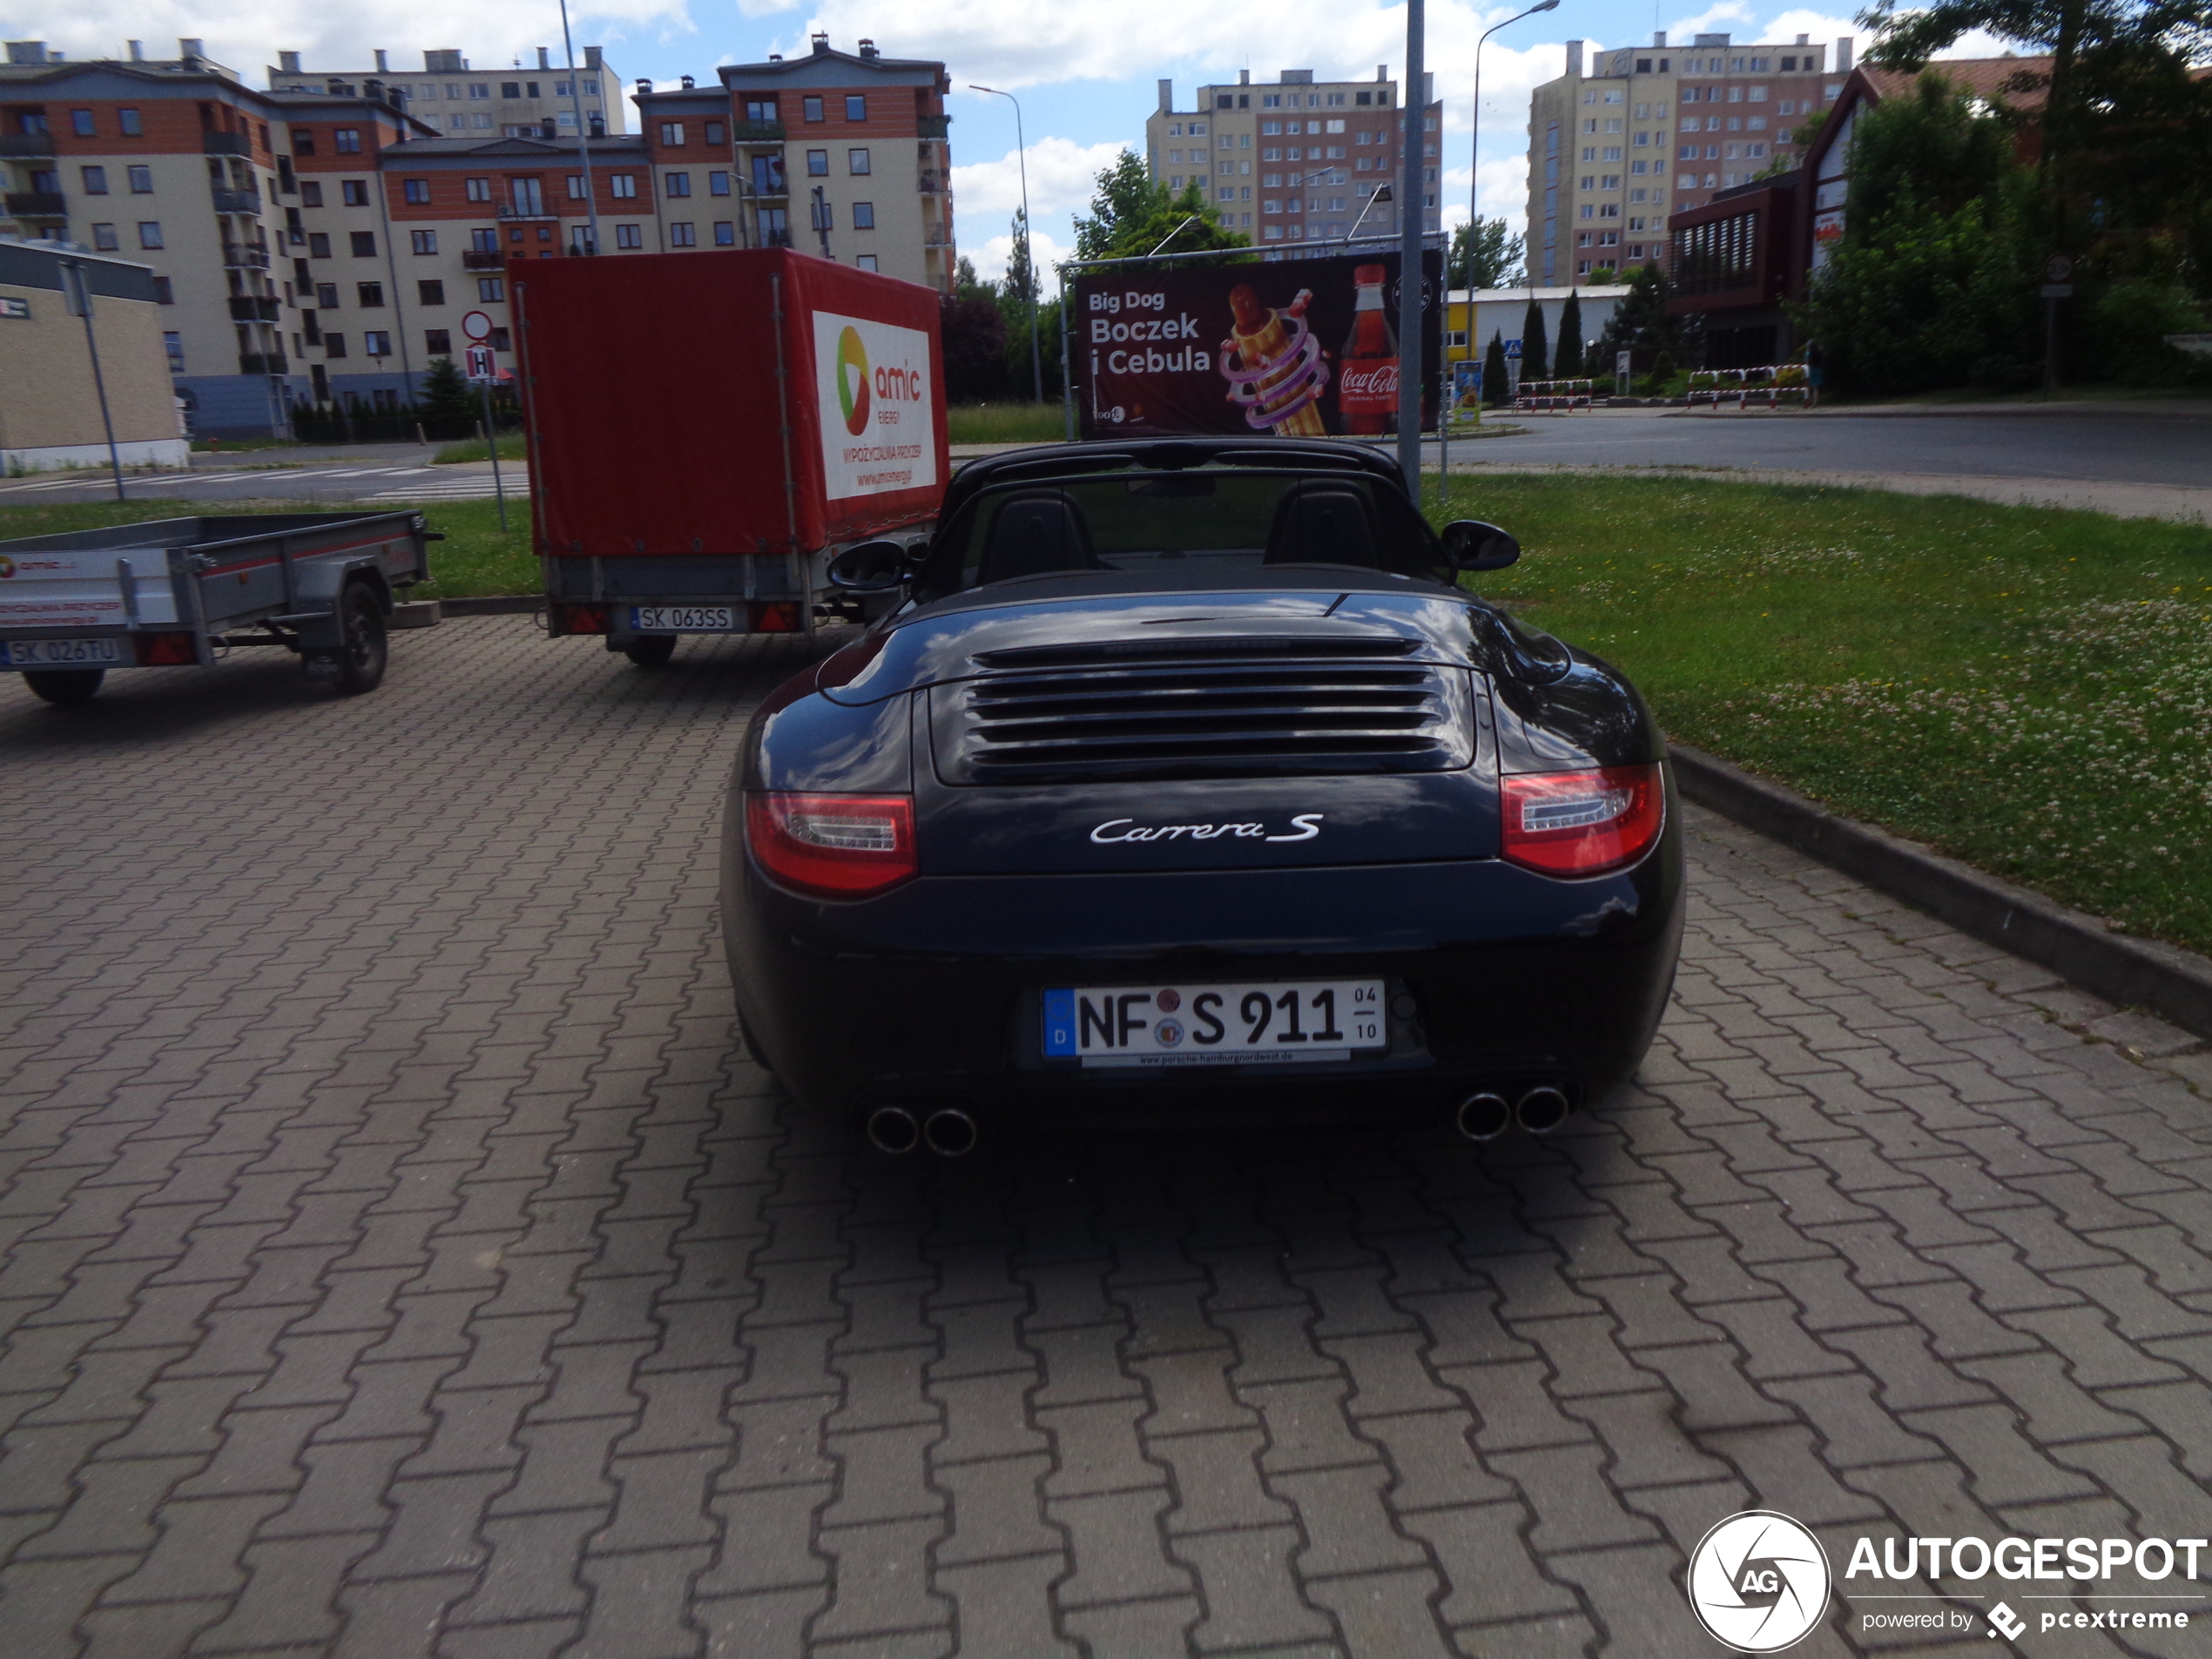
[1179,524]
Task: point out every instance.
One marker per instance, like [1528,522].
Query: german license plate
[683,619]
[60,653]
[1283,1022]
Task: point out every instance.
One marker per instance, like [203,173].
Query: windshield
[1183,524]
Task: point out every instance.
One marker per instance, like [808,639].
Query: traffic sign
[483,363]
[2058,268]
[477,325]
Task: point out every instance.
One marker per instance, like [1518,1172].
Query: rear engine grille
[1305,715]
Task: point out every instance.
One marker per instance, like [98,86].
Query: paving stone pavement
[399,1256]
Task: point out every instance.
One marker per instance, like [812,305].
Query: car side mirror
[870,567]
[1470,545]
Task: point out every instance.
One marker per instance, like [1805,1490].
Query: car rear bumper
[932,992]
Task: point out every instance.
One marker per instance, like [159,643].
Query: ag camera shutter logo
[1758,1581]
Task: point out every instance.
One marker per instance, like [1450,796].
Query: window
[1789,106]
[856,161]
[726,234]
[163,293]
[430,292]
[717,184]
[864,261]
[760,108]
[141,180]
[416,190]
[856,107]
[333,345]
[148,234]
[364,244]
[377,343]
[627,236]
[812,107]
[1612,153]
[576,187]
[818,163]
[1196,129]
[500,341]
[369,295]
[311,193]
[681,234]
[622,184]
[104,239]
[672,134]
[483,241]
[354,191]
[863,216]
[318,245]
[479,88]
[80,123]
[1758,95]
[94,181]
[346,141]
[128,124]
[491,290]
[477,190]
[714,133]
[423,241]
[676,183]
[438,341]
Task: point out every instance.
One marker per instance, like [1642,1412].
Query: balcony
[756,131]
[237,201]
[525,215]
[936,126]
[934,184]
[225,143]
[262,363]
[38,204]
[483,260]
[250,307]
[244,259]
[27,144]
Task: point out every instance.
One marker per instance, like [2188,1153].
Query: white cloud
[1063,174]
[989,258]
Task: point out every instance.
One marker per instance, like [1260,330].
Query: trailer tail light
[776,617]
[833,846]
[166,650]
[1583,823]
[578,619]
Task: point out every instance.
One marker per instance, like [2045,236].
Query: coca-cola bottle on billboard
[1367,373]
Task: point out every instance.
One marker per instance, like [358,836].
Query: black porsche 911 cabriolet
[1182,781]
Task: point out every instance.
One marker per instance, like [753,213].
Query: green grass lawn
[511,448]
[2027,689]
[1006,423]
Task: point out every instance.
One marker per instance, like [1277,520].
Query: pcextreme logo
[1758,1581]
[853,380]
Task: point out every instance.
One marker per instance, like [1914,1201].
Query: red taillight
[164,650]
[1581,823]
[578,619]
[837,846]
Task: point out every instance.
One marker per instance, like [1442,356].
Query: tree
[1021,284]
[1494,383]
[973,331]
[446,406]
[1132,213]
[1567,361]
[1534,353]
[1639,324]
[1486,255]
[966,285]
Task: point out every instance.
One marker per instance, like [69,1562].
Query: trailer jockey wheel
[64,685]
[651,650]
[362,658]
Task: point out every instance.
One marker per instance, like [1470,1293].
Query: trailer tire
[362,657]
[651,650]
[64,685]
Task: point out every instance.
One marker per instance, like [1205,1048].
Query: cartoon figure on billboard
[1274,365]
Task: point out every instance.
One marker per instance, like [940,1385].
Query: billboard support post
[1411,222]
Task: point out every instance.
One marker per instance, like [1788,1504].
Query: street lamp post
[582,132]
[1028,240]
[1474,152]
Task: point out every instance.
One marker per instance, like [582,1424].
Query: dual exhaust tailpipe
[1486,1115]
[947,1131]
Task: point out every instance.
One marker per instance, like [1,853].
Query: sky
[1084,72]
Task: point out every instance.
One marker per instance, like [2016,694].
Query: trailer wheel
[64,685]
[362,658]
[651,650]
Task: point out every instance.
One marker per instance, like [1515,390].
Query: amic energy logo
[853,380]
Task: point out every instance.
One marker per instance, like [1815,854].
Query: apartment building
[1651,131]
[459,100]
[1298,161]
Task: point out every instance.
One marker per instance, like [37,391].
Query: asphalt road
[400,1256]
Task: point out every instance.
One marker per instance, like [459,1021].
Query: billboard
[876,406]
[1294,349]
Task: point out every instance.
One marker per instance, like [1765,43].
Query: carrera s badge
[1303,827]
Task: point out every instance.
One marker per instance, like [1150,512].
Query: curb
[2173,983]
[497,604]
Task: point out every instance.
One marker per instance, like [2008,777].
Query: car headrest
[1036,535]
[1324,525]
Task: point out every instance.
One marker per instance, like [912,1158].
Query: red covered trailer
[706,430]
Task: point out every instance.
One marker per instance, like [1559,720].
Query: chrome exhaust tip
[1541,1110]
[893,1129]
[950,1132]
[1483,1116]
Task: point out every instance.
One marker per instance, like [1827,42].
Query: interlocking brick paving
[399,1255]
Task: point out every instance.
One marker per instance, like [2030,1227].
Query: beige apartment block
[49,399]
[464,102]
[1646,132]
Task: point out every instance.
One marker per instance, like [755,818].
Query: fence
[1554,397]
[1772,383]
